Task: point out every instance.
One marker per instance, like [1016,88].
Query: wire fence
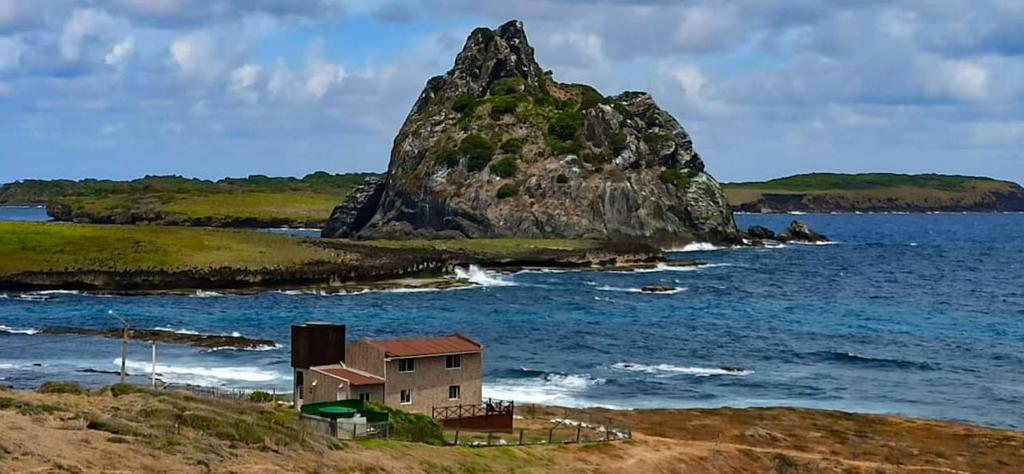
[543,425]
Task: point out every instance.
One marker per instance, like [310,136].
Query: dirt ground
[53,433]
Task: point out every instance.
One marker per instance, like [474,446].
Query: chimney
[317,343]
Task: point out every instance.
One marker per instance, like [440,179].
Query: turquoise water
[920,315]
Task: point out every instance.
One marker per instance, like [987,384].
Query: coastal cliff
[496,148]
[876,192]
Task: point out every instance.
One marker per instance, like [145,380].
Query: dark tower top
[317,343]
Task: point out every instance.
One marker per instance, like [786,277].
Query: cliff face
[496,148]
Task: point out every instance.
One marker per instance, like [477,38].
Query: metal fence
[343,429]
[548,427]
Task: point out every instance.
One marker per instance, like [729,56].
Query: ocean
[917,314]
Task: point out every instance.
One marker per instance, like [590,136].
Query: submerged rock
[209,341]
[799,231]
[496,148]
[658,289]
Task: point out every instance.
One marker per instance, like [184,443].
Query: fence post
[353,431]
[456,437]
[520,436]
[578,428]
[551,435]
[490,434]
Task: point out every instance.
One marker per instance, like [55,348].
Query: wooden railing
[490,407]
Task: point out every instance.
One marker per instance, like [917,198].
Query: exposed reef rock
[799,231]
[208,341]
[496,148]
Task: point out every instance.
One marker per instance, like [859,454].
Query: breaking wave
[698,247]
[208,376]
[668,370]
[476,274]
[11,330]
[176,331]
[534,386]
[640,290]
[205,294]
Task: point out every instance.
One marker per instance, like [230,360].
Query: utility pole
[124,343]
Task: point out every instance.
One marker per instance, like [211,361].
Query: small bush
[447,157]
[591,97]
[504,168]
[512,145]
[486,34]
[565,125]
[260,397]
[594,159]
[504,105]
[507,86]
[464,104]
[61,387]
[112,426]
[477,150]
[436,83]
[407,426]
[561,179]
[618,143]
[676,178]
[120,389]
[507,190]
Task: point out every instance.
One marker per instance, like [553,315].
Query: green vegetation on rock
[504,167]
[677,178]
[508,190]
[477,151]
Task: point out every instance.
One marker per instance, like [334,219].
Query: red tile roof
[424,346]
[354,377]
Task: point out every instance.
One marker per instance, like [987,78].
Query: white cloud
[120,51]
[82,30]
[244,82]
[198,56]
[322,75]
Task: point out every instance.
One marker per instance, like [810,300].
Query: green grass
[303,201]
[28,246]
[865,181]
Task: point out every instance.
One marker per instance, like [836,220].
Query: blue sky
[213,88]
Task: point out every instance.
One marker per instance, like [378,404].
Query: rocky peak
[496,148]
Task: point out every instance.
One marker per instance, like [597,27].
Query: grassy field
[124,429]
[228,202]
[872,191]
[28,246]
[33,246]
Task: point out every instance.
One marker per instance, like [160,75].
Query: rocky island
[496,147]
[876,192]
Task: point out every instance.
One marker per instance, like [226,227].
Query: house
[413,374]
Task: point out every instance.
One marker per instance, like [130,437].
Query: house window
[406,365]
[453,361]
[364,396]
[454,391]
[405,397]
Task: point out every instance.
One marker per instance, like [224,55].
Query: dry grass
[135,433]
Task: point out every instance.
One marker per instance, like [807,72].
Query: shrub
[507,190]
[594,159]
[504,168]
[504,105]
[559,147]
[565,125]
[61,387]
[618,143]
[112,426]
[464,104]
[436,83]
[507,86]
[512,145]
[676,178]
[120,389]
[486,33]
[407,426]
[561,179]
[591,97]
[260,397]
[447,157]
[477,151]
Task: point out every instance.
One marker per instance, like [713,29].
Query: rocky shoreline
[206,341]
[368,268]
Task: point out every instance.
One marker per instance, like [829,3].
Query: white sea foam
[205,294]
[551,389]
[11,330]
[698,247]
[201,375]
[668,369]
[476,274]
[271,347]
[665,267]
[640,290]
[8,366]
[178,331]
[54,292]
